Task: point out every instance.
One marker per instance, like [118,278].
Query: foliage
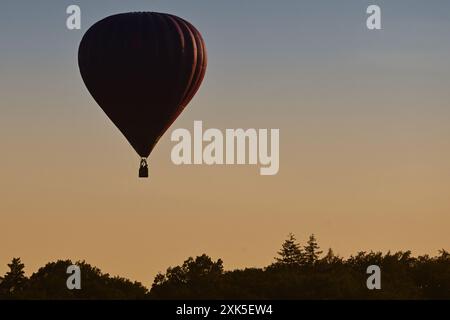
[49,282]
[290,254]
[14,282]
[297,273]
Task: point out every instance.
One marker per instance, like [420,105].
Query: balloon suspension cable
[143,169]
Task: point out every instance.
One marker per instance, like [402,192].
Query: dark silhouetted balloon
[142,69]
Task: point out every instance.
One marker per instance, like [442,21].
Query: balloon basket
[143,169]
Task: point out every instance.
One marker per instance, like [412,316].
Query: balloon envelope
[142,69]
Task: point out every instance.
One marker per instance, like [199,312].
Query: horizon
[322,253]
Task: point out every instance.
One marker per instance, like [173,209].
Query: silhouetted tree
[290,254]
[312,252]
[330,258]
[332,277]
[194,278]
[444,255]
[15,281]
[49,282]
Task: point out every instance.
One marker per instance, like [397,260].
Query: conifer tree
[15,280]
[290,254]
[312,251]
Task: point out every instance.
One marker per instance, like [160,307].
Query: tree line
[298,272]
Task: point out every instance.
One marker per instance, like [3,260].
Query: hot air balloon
[142,69]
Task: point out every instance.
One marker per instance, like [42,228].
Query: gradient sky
[364,119]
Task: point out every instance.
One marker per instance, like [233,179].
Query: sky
[364,121]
